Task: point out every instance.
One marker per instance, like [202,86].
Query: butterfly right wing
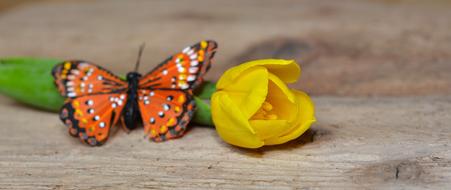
[165,94]
[184,70]
[80,78]
[91,117]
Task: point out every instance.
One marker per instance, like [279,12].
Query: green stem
[202,116]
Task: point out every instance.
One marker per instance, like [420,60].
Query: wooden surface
[395,143]
[378,70]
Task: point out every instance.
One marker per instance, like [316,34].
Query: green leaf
[205,90]
[29,81]
[202,116]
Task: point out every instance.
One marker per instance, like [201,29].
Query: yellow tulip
[253,106]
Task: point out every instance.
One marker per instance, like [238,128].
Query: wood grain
[394,143]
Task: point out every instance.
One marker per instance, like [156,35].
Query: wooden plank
[395,143]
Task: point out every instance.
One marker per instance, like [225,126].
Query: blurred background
[345,48]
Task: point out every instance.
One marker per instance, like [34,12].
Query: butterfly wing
[182,71]
[96,99]
[165,94]
[91,117]
[165,113]
[80,78]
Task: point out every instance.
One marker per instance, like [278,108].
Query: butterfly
[161,99]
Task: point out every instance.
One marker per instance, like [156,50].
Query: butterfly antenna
[141,49]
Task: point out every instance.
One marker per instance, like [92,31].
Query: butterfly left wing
[165,113]
[79,78]
[184,70]
[91,117]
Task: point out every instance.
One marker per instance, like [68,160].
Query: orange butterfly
[162,99]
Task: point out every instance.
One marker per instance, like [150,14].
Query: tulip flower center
[265,112]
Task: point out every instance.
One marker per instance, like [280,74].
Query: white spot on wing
[194,63]
[186,49]
[75,72]
[191,78]
[165,107]
[91,111]
[184,86]
[71,77]
[193,70]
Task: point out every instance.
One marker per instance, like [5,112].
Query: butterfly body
[131,113]
[162,100]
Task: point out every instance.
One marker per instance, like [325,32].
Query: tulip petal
[282,86]
[231,124]
[266,129]
[248,91]
[282,99]
[287,70]
[306,118]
